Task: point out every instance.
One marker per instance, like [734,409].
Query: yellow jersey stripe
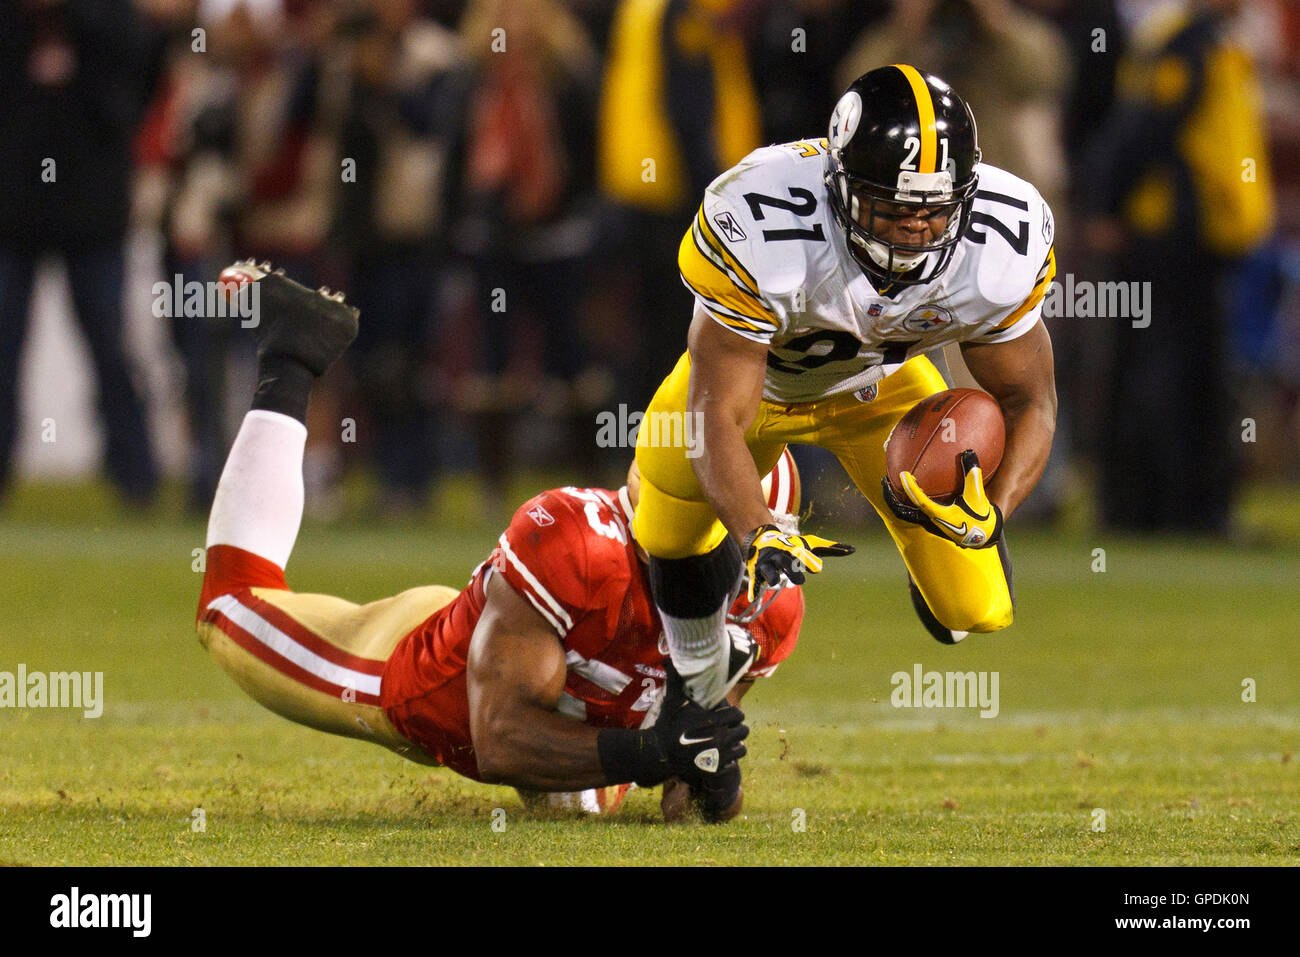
[705,249]
[735,323]
[710,282]
[763,324]
[720,248]
[925,112]
[1035,295]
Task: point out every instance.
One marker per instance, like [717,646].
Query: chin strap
[766,595]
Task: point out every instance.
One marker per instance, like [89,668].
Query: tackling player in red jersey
[547,672]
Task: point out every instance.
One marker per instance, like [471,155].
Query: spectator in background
[75,90]
[237,127]
[1094,37]
[186,147]
[798,46]
[403,104]
[528,221]
[678,107]
[1264,296]
[1178,188]
[1009,63]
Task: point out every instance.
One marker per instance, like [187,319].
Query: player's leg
[17,276]
[317,660]
[694,564]
[956,589]
[314,659]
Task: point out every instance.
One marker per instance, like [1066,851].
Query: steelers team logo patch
[928,319]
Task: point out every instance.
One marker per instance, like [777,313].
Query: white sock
[695,643]
[258,505]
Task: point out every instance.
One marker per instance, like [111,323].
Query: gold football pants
[967,589]
[317,659]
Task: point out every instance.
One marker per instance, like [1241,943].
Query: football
[678,804]
[929,439]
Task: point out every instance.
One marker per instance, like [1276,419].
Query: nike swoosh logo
[688,741]
[956,530]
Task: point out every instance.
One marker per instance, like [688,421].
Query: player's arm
[726,386]
[515,675]
[727,373]
[1020,375]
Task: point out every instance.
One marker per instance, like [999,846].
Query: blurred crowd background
[501,186]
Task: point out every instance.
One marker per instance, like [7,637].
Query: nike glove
[971,521]
[687,740]
[770,553]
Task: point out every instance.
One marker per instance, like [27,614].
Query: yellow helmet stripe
[925,112]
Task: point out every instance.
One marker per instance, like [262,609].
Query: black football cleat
[313,327]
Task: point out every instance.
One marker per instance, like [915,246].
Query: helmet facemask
[859,203]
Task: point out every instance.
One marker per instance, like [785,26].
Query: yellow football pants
[967,589]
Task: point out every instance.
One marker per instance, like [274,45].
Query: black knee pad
[697,586]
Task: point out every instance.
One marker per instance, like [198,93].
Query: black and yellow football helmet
[901,142]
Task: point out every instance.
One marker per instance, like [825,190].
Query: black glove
[716,799]
[687,741]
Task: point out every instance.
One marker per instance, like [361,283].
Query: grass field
[1119,690]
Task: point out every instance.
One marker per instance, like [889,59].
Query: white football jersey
[766,258]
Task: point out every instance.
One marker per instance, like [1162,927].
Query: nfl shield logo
[875,309]
[866,394]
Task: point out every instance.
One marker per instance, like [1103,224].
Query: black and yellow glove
[972,521]
[771,553]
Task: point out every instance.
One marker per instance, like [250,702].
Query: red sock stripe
[228,569]
[286,667]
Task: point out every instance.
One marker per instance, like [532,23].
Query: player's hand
[972,521]
[719,799]
[770,553]
[699,744]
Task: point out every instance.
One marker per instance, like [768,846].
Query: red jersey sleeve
[565,552]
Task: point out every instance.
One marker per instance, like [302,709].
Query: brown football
[929,440]
[678,804]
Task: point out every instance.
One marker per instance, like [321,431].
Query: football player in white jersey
[824,271]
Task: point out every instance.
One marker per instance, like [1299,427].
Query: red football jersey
[570,553]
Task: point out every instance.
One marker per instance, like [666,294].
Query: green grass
[1120,691]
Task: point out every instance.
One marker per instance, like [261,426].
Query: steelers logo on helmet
[844,121]
[901,182]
